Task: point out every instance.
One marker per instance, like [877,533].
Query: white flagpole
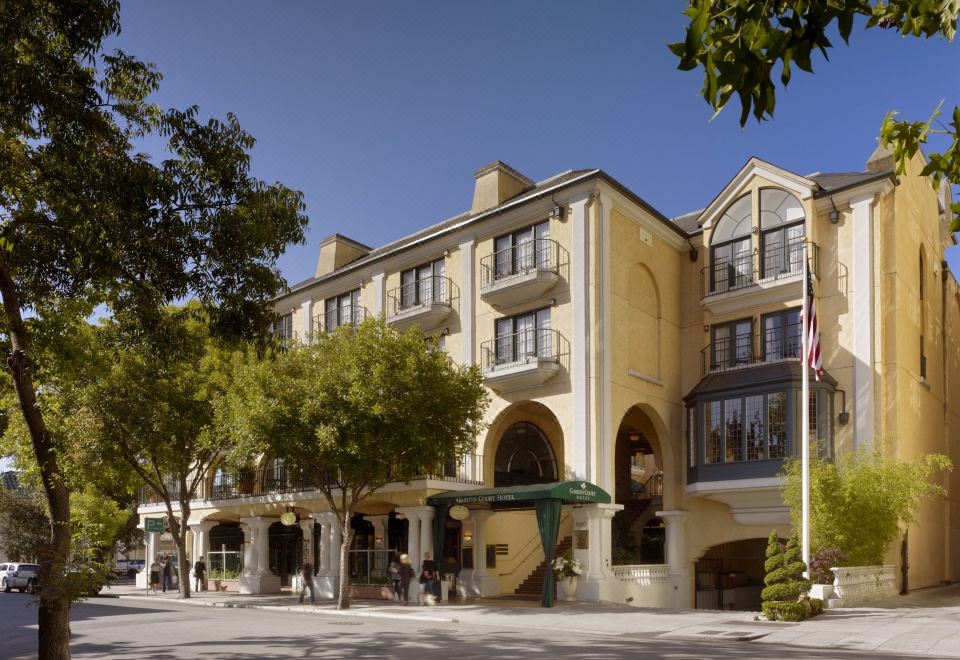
[805,419]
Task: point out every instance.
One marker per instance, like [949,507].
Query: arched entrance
[638,534]
[524,456]
[729,576]
[286,551]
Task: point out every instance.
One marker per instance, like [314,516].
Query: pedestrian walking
[429,579]
[155,574]
[406,574]
[394,571]
[167,574]
[306,574]
[200,573]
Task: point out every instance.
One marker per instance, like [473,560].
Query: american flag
[812,358]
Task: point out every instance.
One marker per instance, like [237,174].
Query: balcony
[332,319]
[467,469]
[741,352]
[523,359]
[521,272]
[772,275]
[426,302]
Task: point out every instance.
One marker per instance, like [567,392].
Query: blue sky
[381,111]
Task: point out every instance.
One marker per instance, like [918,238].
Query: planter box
[371,591]
[853,585]
[232,586]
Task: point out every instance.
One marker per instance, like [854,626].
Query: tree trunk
[54,609]
[343,600]
[179,532]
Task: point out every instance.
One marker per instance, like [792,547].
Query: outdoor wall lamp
[467,537]
[834,214]
[844,416]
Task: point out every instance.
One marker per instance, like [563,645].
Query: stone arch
[531,412]
[644,320]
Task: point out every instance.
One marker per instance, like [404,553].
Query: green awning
[566,491]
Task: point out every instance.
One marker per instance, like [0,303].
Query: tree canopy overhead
[85,216]
[742,46]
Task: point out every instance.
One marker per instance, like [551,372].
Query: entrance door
[709,585]
[286,551]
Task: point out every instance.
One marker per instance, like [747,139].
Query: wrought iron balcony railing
[742,350]
[526,346]
[770,264]
[433,290]
[330,320]
[539,255]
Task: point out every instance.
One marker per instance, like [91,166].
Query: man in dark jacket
[200,573]
[306,574]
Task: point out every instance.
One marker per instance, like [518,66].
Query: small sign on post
[153,525]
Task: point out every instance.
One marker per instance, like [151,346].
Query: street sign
[153,525]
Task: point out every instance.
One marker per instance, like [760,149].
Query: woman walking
[406,574]
[155,574]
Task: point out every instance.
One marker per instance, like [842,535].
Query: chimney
[495,184]
[337,251]
[881,160]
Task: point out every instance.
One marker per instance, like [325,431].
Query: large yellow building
[655,358]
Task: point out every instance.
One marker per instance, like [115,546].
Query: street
[114,628]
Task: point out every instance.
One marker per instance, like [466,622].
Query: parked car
[15,575]
[86,579]
[128,567]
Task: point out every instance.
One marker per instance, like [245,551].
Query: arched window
[524,456]
[781,233]
[731,264]
[275,478]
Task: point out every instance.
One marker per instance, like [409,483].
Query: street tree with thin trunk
[151,406]
[356,409]
[83,215]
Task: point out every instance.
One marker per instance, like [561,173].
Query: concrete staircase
[533,585]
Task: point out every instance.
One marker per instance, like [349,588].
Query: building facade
[656,358]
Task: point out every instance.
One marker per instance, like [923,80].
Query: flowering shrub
[566,566]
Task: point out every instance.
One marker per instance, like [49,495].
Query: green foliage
[787,610]
[742,44]
[223,574]
[96,521]
[784,571]
[25,525]
[859,503]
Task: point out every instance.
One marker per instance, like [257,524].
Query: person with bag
[429,578]
[406,574]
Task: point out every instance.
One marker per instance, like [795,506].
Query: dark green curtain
[548,519]
[439,531]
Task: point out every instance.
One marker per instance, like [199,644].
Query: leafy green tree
[784,571]
[24,524]
[356,409]
[84,216]
[741,45]
[151,407]
[860,502]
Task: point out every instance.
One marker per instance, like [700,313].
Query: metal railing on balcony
[539,255]
[771,263]
[739,351]
[652,487]
[532,345]
[433,290]
[147,496]
[467,469]
[330,320]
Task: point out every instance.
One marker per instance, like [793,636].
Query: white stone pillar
[249,553]
[426,533]
[480,517]
[336,540]
[326,579]
[325,520]
[676,551]
[413,535]
[862,308]
[263,545]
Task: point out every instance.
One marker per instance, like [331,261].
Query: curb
[295,608]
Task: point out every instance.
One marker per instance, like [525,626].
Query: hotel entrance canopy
[545,498]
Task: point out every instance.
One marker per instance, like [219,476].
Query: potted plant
[567,570]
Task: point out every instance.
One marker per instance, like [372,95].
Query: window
[821,430]
[522,251]
[524,456]
[524,337]
[423,285]
[777,422]
[781,233]
[731,259]
[714,430]
[733,429]
[745,428]
[283,327]
[732,344]
[342,310]
[692,436]
[224,558]
[782,335]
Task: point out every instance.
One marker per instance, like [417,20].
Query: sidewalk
[924,623]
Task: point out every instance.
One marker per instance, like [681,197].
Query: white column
[580,340]
[307,328]
[379,530]
[591,523]
[426,532]
[249,553]
[336,540]
[204,528]
[467,291]
[676,551]
[378,293]
[480,517]
[324,560]
[862,286]
[413,535]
